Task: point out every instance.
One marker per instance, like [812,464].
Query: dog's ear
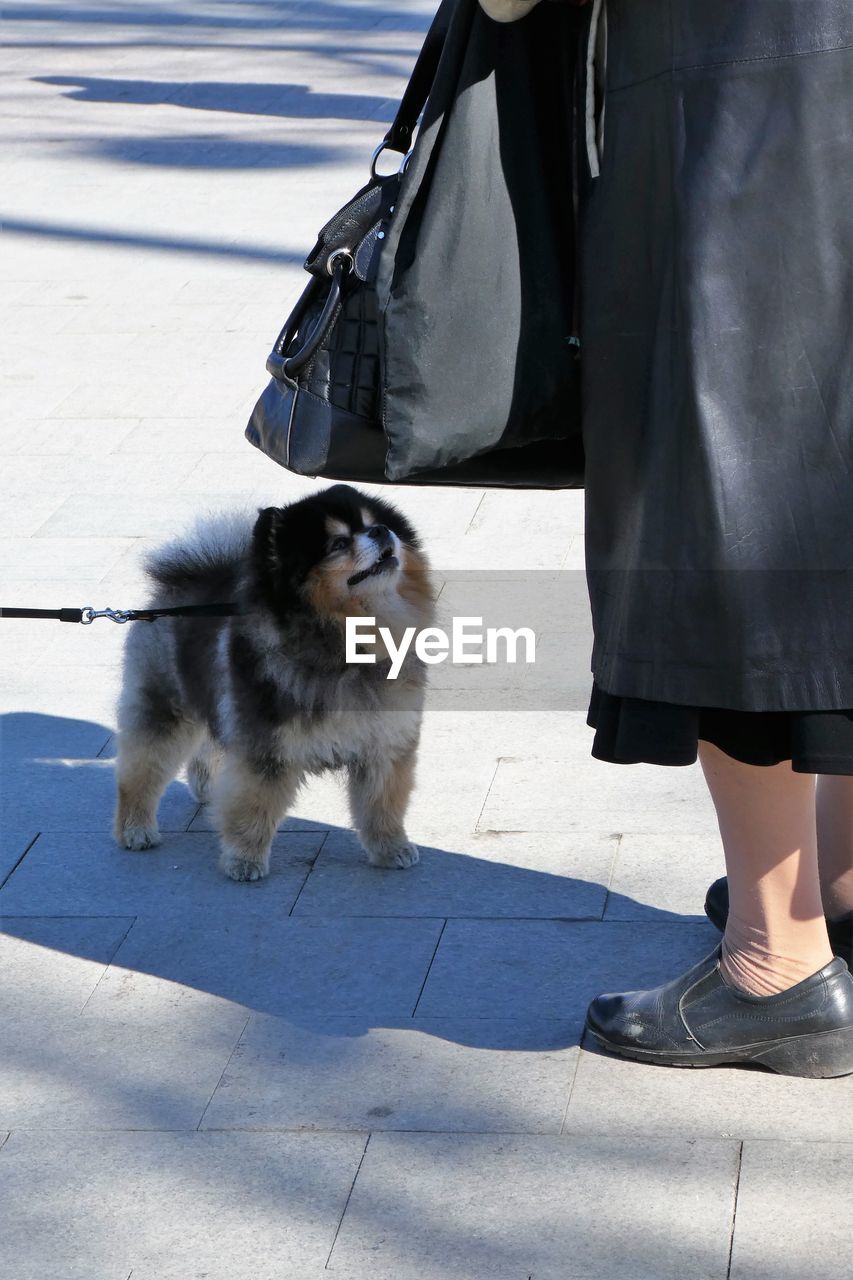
[266,556]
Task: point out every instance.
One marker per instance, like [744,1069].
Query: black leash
[88,614]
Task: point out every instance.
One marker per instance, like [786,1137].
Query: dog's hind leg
[379,792]
[202,768]
[249,803]
[147,762]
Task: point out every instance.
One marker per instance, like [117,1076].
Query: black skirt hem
[643,731]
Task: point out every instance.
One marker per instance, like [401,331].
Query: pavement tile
[270,964]
[614,1097]
[169,1206]
[321,805]
[249,470]
[87,874]
[424,1073]
[52,965]
[502,733]
[515,529]
[663,874]
[163,317]
[436,512]
[581,793]
[444,802]
[39,643]
[794,1209]
[76,795]
[35,324]
[552,968]
[76,436]
[482,1206]
[32,559]
[152,516]
[196,436]
[27,734]
[21,514]
[77,693]
[153,398]
[505,874]
[553,605]
[93,474]
[61,1072]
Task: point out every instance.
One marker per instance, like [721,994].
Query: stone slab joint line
[346,1203]
[734,1210]
[574,1076]
[20,860]
[222,1074]
[470,525]
[326,835]
[429,967]
[614,858]
[113,955]
[491,783]
[193,818]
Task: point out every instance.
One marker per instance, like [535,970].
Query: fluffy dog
[256,702]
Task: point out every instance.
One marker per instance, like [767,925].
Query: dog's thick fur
[254,703]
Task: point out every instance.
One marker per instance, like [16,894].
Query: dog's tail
[208,555]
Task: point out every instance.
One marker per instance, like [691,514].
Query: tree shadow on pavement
[296,101]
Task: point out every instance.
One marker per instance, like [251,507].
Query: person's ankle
[756,972]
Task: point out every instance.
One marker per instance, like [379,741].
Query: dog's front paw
[138,838]
[241,868]
[397,855]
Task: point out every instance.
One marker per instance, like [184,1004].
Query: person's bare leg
[776,933]
[835,843]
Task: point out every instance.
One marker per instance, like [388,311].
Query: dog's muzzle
[387,561]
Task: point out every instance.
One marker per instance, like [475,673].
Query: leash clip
[115,615]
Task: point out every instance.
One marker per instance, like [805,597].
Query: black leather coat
[717,326]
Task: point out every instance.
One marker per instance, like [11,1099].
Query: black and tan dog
[254,703]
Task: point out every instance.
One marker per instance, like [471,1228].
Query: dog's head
[339,553]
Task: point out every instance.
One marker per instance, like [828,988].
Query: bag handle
[399,136]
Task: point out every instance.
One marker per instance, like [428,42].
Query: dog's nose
[380,534]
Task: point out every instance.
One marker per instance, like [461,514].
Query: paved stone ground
[374,1074]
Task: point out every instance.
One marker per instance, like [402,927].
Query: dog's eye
[339,544]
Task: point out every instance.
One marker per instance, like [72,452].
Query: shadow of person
[475,943]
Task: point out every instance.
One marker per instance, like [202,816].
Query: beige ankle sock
[762,964]
[776,932]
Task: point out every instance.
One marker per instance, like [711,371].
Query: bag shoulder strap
[399,135]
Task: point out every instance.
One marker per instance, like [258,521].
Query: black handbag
[435,340]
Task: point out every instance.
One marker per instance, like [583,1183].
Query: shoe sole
[821,1055]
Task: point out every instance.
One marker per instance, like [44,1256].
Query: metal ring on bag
[332,260]
[378,152]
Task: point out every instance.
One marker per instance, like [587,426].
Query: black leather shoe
[700,1021]
[840,931]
